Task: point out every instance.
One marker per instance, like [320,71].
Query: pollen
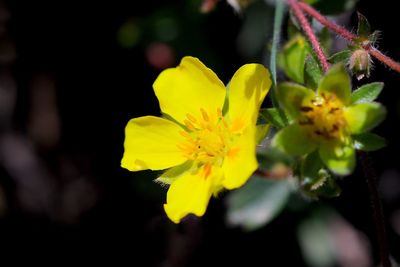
[207,138]
[323,118]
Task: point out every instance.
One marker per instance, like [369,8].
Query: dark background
[68,88]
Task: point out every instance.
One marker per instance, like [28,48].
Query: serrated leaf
[368,142]
[257,203]
[272,116]
[312,72]
[292,58]
[364,30]
[340,57]
[367,93]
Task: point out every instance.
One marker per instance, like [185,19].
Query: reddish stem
[349,36]
[327,23]
[309,32]
[382,58]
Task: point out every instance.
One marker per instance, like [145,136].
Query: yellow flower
[203,148]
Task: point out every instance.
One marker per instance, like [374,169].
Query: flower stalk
[349,36]
[298,12]
[369,172]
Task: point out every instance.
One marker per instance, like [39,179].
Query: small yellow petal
[189,88]
[247,90]
[152,143]
[191,192]
[240,162]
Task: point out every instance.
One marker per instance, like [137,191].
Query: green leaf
[367,93]
[340,57]
[316,240]
[368,142]
[325,38]
[315,180]
[294,140]
[363,30]
[311,165]
[339,158]
[337,82]
[261,132]
[257,203]
[292,96]
[312,72]
[292,58]
[272,116]
[363,117]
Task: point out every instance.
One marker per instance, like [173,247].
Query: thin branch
[377,211]
[294,5]
[343,32]
[351,37]
[382,58]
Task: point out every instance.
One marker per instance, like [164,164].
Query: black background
[99,87]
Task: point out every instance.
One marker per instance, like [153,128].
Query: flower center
[323,118]
[208,138]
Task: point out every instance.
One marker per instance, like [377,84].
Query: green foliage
[258,202]
[337,82]
[315,239]
[368,142]
[340,57]
[272,116]
[365,116]
[292,58]
[367,93]
[312,72]
[294,141]
[292,96]
[363,30]
[316,181]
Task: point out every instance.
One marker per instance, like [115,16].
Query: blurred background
[72,73]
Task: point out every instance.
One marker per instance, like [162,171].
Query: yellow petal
[191,192]
[241,162]
[247,91]
[189,88]
[151,143]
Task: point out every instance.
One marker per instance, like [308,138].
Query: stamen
[219,113]
[191,118]
[185,134]
[204,114]
[189,125]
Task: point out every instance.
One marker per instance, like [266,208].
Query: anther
[189,125]
[204,114]
[306,109]
[191,118]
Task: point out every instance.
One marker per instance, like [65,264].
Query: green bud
[360,63]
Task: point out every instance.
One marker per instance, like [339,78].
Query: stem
[294,5]
[327,23]
[382,58]
[278,19]
[351,37]
[377,211]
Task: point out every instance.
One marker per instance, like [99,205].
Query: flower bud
[360,63]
